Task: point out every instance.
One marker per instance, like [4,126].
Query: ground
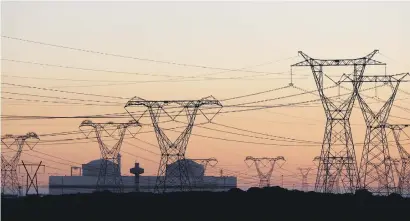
[272,203]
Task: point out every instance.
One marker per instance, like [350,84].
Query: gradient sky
[218,34]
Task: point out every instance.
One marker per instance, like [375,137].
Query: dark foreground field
[255,204]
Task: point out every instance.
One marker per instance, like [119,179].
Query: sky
[263,38]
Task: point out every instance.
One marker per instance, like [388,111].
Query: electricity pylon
[33,177]
[199,180]
[110,178]
[264,162]
[376,167]
[403,171]
[9,178]
[305,172]
[338,140]
[173,152]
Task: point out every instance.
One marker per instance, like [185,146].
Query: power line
[61,91]
[63,98]
[254,94]
[247,78]
[83,69]
[46,101]
[135,58]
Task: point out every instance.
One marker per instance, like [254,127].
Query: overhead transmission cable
[132,57]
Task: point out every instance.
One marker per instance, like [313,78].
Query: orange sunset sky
[256,41]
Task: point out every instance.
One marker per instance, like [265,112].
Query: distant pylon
[32,177]
[173,152]
[305,172]
[264,177]
[402,165]
[9,177]
[199,180]
[376,167]
[109,180]
[338,140]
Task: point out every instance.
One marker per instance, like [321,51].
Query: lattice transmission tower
[172,171]
[403,163]
[376,168]
[264,162]
[199,178]
[32,177]
[109,175]
[9,178]
[305,172]
[338,148]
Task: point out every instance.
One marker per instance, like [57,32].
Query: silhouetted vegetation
[272,203]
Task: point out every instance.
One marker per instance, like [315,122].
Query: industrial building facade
[86,182]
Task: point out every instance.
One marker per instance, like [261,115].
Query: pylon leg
[376,166]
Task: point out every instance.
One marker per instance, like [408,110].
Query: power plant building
[86,182]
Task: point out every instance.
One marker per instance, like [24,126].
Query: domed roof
[189,162]
[93,162]
[98,161]
[194,169]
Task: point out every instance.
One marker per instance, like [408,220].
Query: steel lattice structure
[173,152]
[199,180]
[9,178]
[336,179]
[264,177]
[376,167]
[109,180]
[305,172]
[338,141]
[402,164]
[33,179]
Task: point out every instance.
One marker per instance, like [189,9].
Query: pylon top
[180,106]
[92,124]
[265,158]
[397,126]
[212,161]
[366,60]
[112,125]
[24,137]
[375,78]
[137,101]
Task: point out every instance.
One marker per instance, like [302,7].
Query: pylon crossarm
[375,78]
[367,60]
